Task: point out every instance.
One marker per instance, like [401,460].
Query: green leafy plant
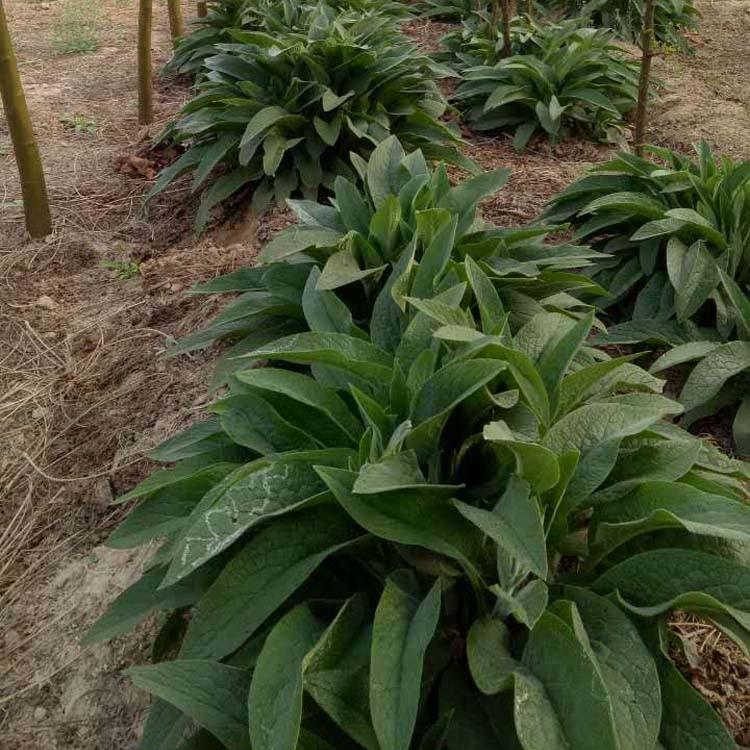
[678,232]
[407,550]
[719,379]
[450,10]
[479,41]
[575,80]
[125,269]
[79,124]
[672,18]
[272,17]
[354,259]
[284,115]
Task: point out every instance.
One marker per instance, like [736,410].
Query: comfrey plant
[671,18]
[400,230]
[377,550]
[282,113]
[677,233]
[575,79]
[271,17]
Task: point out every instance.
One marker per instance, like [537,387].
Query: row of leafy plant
[265,72]
[259,98]
[672,18]
[433,502]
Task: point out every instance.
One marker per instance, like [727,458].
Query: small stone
[12,639]
[102,493]
[46,302]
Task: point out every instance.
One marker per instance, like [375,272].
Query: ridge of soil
[86,388]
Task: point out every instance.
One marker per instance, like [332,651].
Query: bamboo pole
[176,19]
[647,46]
[145,75]
[33,186]
[202,9]
[505,9]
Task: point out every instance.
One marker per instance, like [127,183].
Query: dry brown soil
[85,388]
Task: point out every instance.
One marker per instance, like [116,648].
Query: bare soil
[86,388]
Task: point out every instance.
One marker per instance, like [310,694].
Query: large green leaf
[660,580]
[261,576]
[307,391]
[662,505]
[711,374]
[626,666]
[145,597]
[407,517]
[579,702]
[259,492]
[534,463]
[451,385]
[689,723]
[487,652]
[275,701]
[253,422]
[167,509]
[213,694]
[337,671]
[383,170]
[403,628]
[335,349]
[593,424]
[515,525]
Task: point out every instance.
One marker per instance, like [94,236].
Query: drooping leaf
[402,630]
[260,577]
[213,694]
[275,699]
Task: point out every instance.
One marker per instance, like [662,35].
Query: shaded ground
[85,388]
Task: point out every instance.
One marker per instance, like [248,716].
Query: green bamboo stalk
[647,46]
[176,19]
[145,74]
[33,186]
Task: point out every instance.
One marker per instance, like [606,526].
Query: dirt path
[707,93]
[84,386]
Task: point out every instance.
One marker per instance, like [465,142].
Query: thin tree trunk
[505,10]
[530,8]
[33,186]
[647,45]
[176,20]
[145,75]
[202,9]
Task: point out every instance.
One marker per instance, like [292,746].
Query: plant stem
[176,20]
[145,84]
[647,44]
[31,173]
